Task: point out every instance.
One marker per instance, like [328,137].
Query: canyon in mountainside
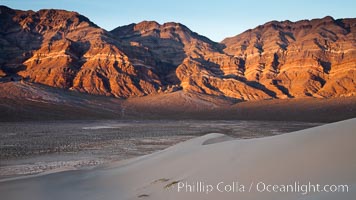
[277,60]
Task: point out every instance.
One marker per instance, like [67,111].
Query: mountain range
[277,60]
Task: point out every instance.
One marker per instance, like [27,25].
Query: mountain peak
[328,18]
[3,8]
[57,14]
[147,25]
[150,25]
[174,24]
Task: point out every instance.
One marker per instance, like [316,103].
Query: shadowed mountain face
[277,60]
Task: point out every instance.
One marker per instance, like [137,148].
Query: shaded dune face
[276,60]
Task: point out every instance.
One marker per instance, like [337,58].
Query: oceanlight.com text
[261,187]
[304,189]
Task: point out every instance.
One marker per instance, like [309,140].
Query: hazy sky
[215,19]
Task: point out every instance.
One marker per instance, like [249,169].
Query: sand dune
[323,155]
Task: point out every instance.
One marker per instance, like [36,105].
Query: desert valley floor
[29,148]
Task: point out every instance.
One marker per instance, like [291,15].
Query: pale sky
[216,19]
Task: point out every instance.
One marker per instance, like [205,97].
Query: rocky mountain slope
[304,58]
[66,50]
[186,60]
[276,60]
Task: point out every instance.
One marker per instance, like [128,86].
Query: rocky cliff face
[64,49]
[277,60]
[186,60]
[304,58]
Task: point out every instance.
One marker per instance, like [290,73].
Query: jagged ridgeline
[275,60]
